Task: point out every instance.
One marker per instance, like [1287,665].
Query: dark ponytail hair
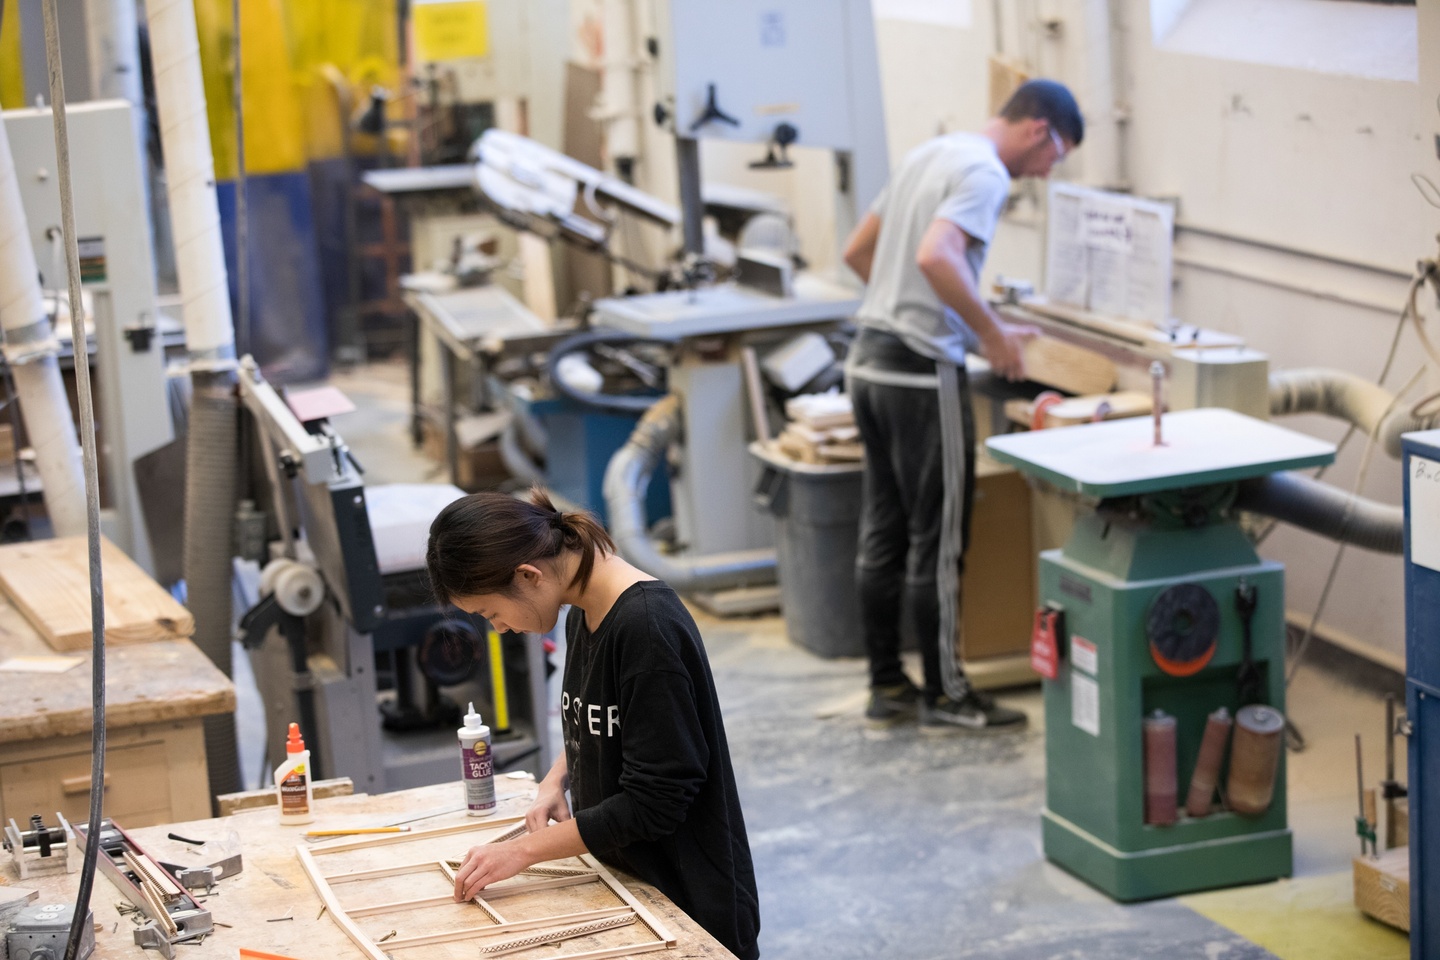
[477,542]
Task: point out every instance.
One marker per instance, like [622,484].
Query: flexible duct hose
[210,478]
[514,456]
[1371,408]
[626,480]
[30,348]
[211,452]
[604,401]
[1329,511]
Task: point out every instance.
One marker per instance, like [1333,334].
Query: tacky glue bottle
[292,781]
[477,766]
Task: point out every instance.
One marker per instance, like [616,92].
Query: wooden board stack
[821,430]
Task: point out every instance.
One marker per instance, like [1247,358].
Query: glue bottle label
[478,768]
[293,797]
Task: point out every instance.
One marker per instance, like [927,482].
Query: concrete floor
[895,845]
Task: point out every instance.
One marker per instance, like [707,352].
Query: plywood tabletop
[272,884]
[145,683]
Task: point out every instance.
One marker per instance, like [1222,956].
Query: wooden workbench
[156,696]
[272,884]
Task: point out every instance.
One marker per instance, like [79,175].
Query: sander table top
[1119,458]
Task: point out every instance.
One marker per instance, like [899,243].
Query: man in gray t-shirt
[920,250]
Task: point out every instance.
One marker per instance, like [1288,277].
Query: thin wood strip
[490,911]
[556,936]
[625,951]
[396,906]
[531,886]
[618,888]
[479,901]
[519,830]
[543,871]
[513,926]
[379,872]
[409,836]
[332,903]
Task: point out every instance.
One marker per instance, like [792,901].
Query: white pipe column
[30,349]
[211,447]
[190,180]
[111,41]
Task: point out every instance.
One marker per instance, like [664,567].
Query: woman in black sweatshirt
[646,761]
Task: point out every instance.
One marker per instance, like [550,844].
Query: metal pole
[692,207]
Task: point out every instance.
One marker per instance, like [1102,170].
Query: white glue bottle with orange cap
[292,781]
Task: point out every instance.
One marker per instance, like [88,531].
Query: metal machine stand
[1166,607]
[119,276]
[1422,683]
[340,596]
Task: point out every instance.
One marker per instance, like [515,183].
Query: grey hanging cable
[92,480]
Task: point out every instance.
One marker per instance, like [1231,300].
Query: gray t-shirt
[956,177]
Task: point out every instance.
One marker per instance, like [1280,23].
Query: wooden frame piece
[549,929]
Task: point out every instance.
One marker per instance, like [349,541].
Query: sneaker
[975,711]
[891,704]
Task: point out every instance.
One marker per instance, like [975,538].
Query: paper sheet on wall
[1066,259]
[1109,254]
[1425,512]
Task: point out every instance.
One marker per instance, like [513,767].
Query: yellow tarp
[296,54]
[12,77]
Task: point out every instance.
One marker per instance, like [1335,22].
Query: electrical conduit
[210,338]
[30,349]
[628,477]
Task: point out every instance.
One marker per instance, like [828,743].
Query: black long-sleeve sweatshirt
[650,777]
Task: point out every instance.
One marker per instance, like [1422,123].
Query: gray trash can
[817,522]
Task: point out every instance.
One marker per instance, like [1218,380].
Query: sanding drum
[1161,792]
[1255,758]
[1207,766]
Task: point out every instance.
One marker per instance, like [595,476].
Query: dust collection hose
[626,480]
[605,401]
[30,350]
[211,452]
[1369,407]
[1329,511]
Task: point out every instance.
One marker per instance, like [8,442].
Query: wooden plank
[1382,887]
[260,799]
[1068,367]
[49,581]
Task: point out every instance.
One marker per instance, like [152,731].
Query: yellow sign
[451,30]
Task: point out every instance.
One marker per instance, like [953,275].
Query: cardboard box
[998,588]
